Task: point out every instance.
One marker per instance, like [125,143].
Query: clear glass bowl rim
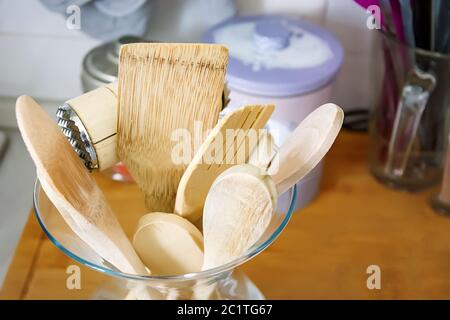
[210,273]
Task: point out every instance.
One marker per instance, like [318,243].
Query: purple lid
[275,55]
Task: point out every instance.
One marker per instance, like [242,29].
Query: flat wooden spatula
[236,135]
[72,190]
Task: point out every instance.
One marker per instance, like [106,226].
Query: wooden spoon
[72,190]
[168,244]
[241,201]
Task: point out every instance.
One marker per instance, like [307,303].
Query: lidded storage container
[280,60]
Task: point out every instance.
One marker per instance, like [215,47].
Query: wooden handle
[97,110]
[306,146]
[72,190]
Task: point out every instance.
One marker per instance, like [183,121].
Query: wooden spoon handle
[306,146]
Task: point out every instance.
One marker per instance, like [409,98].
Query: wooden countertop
[323,253]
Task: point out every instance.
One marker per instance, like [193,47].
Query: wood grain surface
[323,253]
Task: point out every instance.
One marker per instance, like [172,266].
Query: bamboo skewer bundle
[162,88]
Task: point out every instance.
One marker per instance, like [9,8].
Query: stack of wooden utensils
[165,91]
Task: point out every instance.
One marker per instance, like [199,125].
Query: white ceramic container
[280,60]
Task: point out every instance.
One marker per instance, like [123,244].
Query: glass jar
[218,283]
[408,123]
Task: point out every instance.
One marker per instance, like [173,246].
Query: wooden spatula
[235,149]
[165,87]
[241,201]
[72,190]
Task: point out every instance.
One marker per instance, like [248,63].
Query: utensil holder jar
[409,119]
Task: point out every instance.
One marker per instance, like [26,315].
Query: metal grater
[77,135]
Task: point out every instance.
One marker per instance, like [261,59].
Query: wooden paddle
[72,190]
[165,87]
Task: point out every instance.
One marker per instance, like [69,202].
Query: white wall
[39,56]
[348,22]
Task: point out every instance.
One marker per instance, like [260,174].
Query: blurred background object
[3,142]
[101,63]
[409,125]
[107,19]
[187,20]
[27,26]
[441,201]
[314,11]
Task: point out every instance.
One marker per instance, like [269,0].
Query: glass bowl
[217,283]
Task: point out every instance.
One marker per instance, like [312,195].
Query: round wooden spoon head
[169,244]
[306,146]
[237,212]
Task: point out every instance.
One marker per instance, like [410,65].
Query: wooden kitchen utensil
[306,146]
[72,190]
[233,149]
[237,211]
[168,244]
[163,88]
[89,122]
[241,201]
[264,151]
